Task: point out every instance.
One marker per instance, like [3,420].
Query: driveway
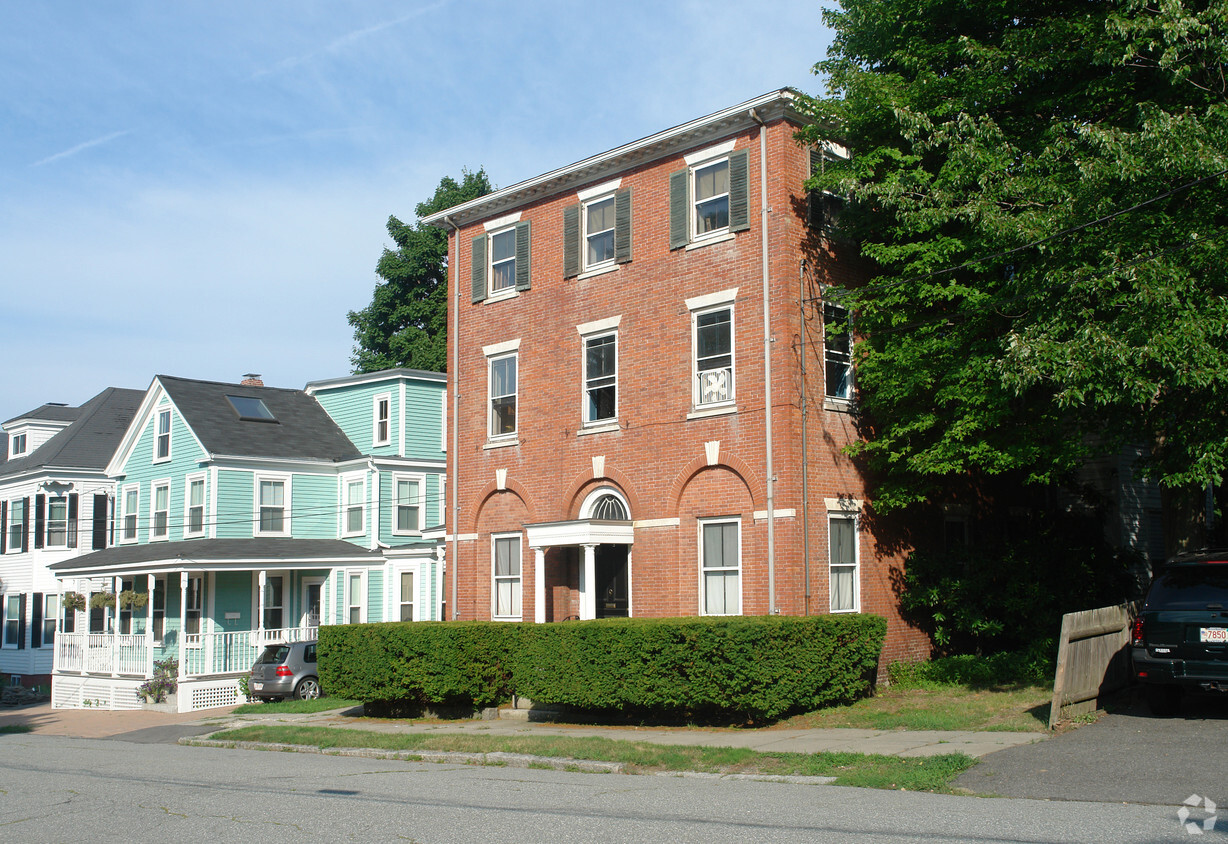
[1128,756]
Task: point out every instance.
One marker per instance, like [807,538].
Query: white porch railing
[204,653]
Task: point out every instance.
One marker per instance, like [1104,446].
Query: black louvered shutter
[4,526]
[40,519]
[479,268]
[25,524]
[21,621]
[72,520]
[571,241]
[622,226]
[739,191]
[99,539]
[36,622]
[523,255]
[678,216]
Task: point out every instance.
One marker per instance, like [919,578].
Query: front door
[311,601]
[611,564]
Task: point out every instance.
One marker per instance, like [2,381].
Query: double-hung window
[842,542]
[193,604]
[720,551]
[837,353]
[502,380]
[501,259]
[407,596]
[354,597]
[712,379]
[13,611]
[57,521]
[271,505]
[599,233]
[132,504]
[506,579]
[160,516]
[162,446]
[51,611]
[709,200]
[407,504]
[18,522]
[355,492]
[383,420]
[600,378]
[597,230]
[274,602]
[195,524]
[159,609]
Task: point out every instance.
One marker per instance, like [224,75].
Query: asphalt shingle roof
[302,431]
[90,441]
[222,551]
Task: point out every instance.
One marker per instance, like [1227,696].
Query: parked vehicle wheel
[307,689]
[1164,701]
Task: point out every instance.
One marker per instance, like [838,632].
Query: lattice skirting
[68,692]
[208,694]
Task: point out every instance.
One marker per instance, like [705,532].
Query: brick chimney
[251,379]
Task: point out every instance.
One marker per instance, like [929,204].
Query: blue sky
[201,188]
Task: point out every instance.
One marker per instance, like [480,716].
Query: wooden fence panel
[1093,659]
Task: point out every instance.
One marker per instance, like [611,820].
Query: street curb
[508,760]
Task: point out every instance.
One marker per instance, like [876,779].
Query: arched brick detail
[734,464]
[584,482]
[491,489]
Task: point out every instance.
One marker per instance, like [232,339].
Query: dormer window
[251,409]
[17,445]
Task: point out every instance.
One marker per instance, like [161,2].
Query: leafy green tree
[1040,186]
[406,323]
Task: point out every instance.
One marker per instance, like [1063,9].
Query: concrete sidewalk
[149,726]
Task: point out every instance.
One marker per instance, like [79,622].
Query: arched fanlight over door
[609,507]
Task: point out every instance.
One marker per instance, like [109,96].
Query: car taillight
[284,671]
[1136,634]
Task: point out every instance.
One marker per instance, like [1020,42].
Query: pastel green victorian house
[246,515]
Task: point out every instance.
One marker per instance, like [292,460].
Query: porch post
[149,637]
[262,580]
[441,564]
[588,583]
[539,585]
[115,582]
[183,623]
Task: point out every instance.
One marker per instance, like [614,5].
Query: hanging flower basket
[74,601]
[129,600]
[101,599]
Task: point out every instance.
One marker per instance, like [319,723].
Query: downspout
[452,562]
[767,368]
[803,352]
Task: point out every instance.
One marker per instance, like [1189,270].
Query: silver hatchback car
[285,671]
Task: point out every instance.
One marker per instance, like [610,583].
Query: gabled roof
[302,430]
[89,442]
[261,552]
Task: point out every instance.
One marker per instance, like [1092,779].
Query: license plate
[257,686]
[1213,634]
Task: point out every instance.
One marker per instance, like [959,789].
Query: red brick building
[644,416]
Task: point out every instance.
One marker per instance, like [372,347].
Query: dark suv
[285,670]
[1180,639]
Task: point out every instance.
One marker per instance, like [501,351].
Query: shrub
[757,668]
[1034,666]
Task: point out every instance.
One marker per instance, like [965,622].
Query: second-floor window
[57,521]
[132,504]
[162,449]
[383,420]
[503,395]
[160,522]
[713,377]
[600,378]
[837,353]
[501,259]
[17,526]
[408,505]
[354,507]
[272,506]
[708,201]
[196,507]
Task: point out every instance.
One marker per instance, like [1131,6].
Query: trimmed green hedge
[753,667]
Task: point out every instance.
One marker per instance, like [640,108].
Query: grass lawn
[320,704]
[1023,708]
[932,773]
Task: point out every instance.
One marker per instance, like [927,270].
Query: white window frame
[386,400]
[704,571]
[14,526]
[348,483]
[154,536]
[161,436]
[11,612]
[509,289]
[157,615]
[283,607]
[51,615]
[189,481]
[587,386]
[284,480]
[420,480]
[693,172]
[347,600]
[198,608]
[837,359]
[697,375]
[587,265]
[855,566]
[132,513]
[516,581]
[492,416]
[413,602]
[51,522]
[17,444]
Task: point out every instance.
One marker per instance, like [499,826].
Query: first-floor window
[842,539]
[354,598]
[507,576]
[161,511]
[273,603]
[193,606]
[12,621]
[408,505]
[159,609]
[601,377]
[721,561]
[407,596]
[98,617]
[70,621]
[125,613]
[51,610]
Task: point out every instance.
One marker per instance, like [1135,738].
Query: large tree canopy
[406,323]
[1040,184]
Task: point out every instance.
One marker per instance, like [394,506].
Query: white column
[588,583]
[115,584]
[183,623]
[539,585]
[149,637]
[441,564]
[262,579]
